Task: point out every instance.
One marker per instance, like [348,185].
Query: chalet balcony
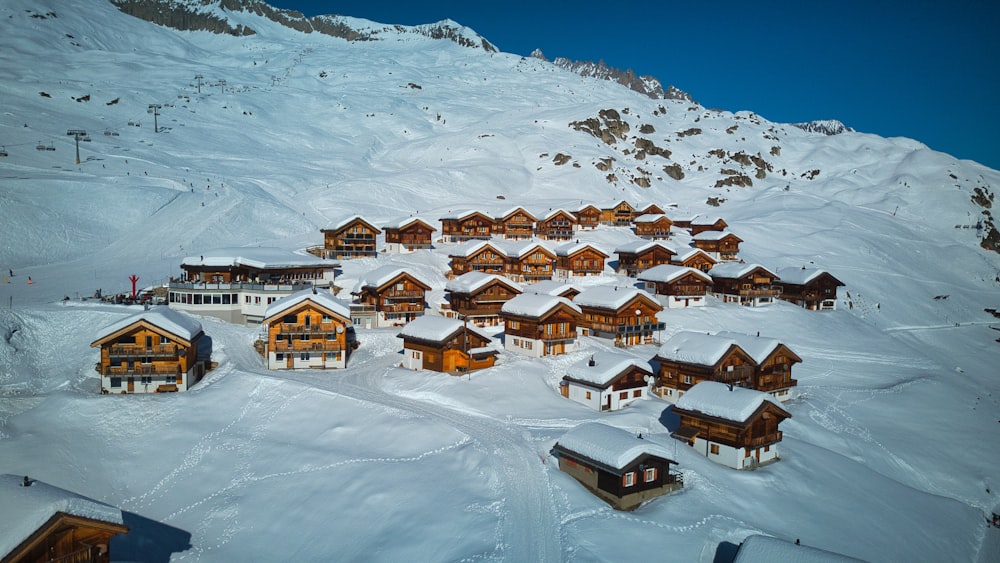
[761,292]
[736,375]
[131,350]
[764,440]
[402,308]
[142,369]
[404,294]
[640,328]
[245,285]
[282,346]
[557,336]
[357,237]
[308,329]
[356,308]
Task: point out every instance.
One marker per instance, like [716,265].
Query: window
[588,395]
[169,379]
[279,357]
[687,380]
[714,448]
[767,448]
[116,382]
[623,396]
[164,340]
[147,379]
[304,356]
[649,475]
[256,300]
[637,393]
[628,479]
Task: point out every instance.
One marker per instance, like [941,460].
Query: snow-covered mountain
[269,130]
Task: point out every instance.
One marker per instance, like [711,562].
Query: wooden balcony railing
[142,369]
[158,351]
[307,346]
[764,440]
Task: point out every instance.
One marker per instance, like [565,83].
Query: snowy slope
[890,454]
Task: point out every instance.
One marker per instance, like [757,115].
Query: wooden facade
[308,330]
[397,298]
[471,225]
[558,225]
[152,352]
[409,235]
[746,284]
[653,227]
[619,214]
[651,209]
[588,217]
[351,238]
[702,224]
[633,259]
[813,289]
[679,371]
[627,322]
[457,349]
[547,326]
[695,258]
[576,259]
[516,224]
[606,381]
[73,539]
[483,257]
[481,305]
[530,264]
[677,286]
[721,245]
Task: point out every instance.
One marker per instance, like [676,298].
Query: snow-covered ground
[891,451]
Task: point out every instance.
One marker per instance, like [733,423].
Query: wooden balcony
[142,369]
[738,374]
[761,292]
[764,440]
[404,294]
[133,350]
[283,346]
[308,329]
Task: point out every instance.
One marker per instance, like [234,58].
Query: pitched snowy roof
[735,270]
[696,348]
[514,210]
[650,218]
[715,235]
[471,247]
[716,399]
[320,297]
[800,276]
[536,305]
[383,275]
[175,322]
[459,215]
[256,257]
[551,287]
[26,509]
[766,549]
[472,281]
[666,273]
[759,347]
[609,297]
[585,206]
[406,222]
[434,328]
[686,253]
[520,249]
[557,211]
[706,220]
[607,366]
[572,248]
[609,446]
[643,245]
[347,221]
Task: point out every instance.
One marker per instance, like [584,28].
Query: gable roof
[174,322]
[256,257]
[612,297]
[321,298]
[736,270]
[737,404]
[685,254]
[759,347]
[520,249]
[536,305]
[467,249]
[766,549]
[347,221]
[26,509]
[470,282]
[462,215]
[551,287]
[651,218]
[435,328]
[707,220]
[667,273]
[607,367]
[611,447]
[803,275]
[513,210]
[716,236]
[642,245]
[557,211]
[378,277]
[585,206]
[406,222]
[572,248]
[696,348]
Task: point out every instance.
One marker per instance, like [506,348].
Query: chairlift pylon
[40,146]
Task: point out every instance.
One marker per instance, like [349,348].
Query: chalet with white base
[732,426]
[677,286]
[579,259]
[617,466]
[466,225]
[388,296]
[652,227]
[688,358]
[557,224]
[747,284]
[408,235]
[640,255]
[308,330]
[540,325]
[446,345]
[515,224]
[607,381]
[693,258]
[477,297]
[811,288]
[773,363]
[723,246]
[41,522]
[152,351]
[624,315]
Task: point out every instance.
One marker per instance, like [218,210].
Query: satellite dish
[638,312]
[340,329]
[647,378]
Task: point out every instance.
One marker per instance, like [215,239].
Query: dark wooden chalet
[579,259]
[677,286]
[773,363]
[651,209]
[701,224]
[515,224]
[724,246]
[588,217]
[746,284]
[529,262]
[688,358]
[353,237]
[447,345]
[617,466]
[811,288]
[694,258]
[477,297]
[394,294]
[618,214]
[408,235]
[558,224]
[640,255]
[540,325]
[468,225]
[652,227]
[624,315]
[481,256]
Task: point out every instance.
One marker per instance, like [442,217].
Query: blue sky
[919,69]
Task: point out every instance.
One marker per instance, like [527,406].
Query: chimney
[591,362]
[27,482]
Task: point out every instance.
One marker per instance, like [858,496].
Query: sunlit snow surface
[890,454]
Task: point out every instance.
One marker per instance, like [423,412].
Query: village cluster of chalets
[520,282]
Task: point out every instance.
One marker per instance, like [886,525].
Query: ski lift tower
[199,78]
[78,135]
[155,110]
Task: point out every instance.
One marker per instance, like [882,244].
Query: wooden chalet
[540,325]
[153,351]
[617,466]
[515,224]
[724,246]
[702,223]
[683,221]
[407,235]
[652,227]
[529,262]
[447,345]
[579,259]
[310,329]
[478,256]
[624,315]
[811,288]
[467,225]
[746,284]
[390,296]
[677,286]
[773,363]
[607,381]
[41,523]
[730,425]
[640,255]
[353,237]
[477,297]
[694,258]
[554,288]
[651,209]
[588,217]
[557,224]
[618,214]
[688,358]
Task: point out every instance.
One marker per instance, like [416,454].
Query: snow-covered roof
[406,222]
[347,221]
[557,211]
[320,297]
[471,247]
[609,446]
[585,206]
[551,287]
[735,270]
[609,297]
[514,210]
[705,220]
[666,273]
[571,248]
[459,215]
[175,322]
[536,305]
[759,347]
[383,275]
[766,549]
[722,401]
[26,509]
[642,245]
[684,254]
[695,348]
[607,366]
[799,276]
[650,218]
[256,257]
[472,281]
[715,235]
[520,249]
[434,328]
